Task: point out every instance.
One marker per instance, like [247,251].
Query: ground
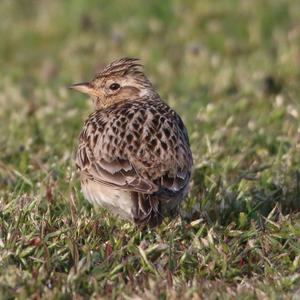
[231,69]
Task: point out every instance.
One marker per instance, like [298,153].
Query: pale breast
[116,201]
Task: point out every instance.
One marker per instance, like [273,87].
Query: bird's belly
[116,201]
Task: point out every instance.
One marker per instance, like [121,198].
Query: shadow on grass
[245,200]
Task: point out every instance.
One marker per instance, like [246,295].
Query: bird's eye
[114,86]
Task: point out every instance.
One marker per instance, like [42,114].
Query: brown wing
[138,146]
[118,173]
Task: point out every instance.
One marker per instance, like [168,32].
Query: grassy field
[232,70]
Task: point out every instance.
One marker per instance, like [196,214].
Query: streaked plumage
[133,153]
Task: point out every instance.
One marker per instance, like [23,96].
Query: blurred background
[230,68]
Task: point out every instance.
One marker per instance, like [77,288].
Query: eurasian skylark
[133,154]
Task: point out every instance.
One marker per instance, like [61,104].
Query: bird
[133,154]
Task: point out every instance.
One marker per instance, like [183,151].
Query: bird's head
[121,80]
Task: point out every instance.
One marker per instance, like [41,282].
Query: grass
[231,69]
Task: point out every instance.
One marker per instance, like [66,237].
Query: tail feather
[146,210]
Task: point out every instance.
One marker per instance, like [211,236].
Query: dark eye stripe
[114,86]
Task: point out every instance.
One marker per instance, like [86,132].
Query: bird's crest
[121,66]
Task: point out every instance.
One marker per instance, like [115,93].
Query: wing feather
[124,157]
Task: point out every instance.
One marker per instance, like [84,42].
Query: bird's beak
[86,88]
